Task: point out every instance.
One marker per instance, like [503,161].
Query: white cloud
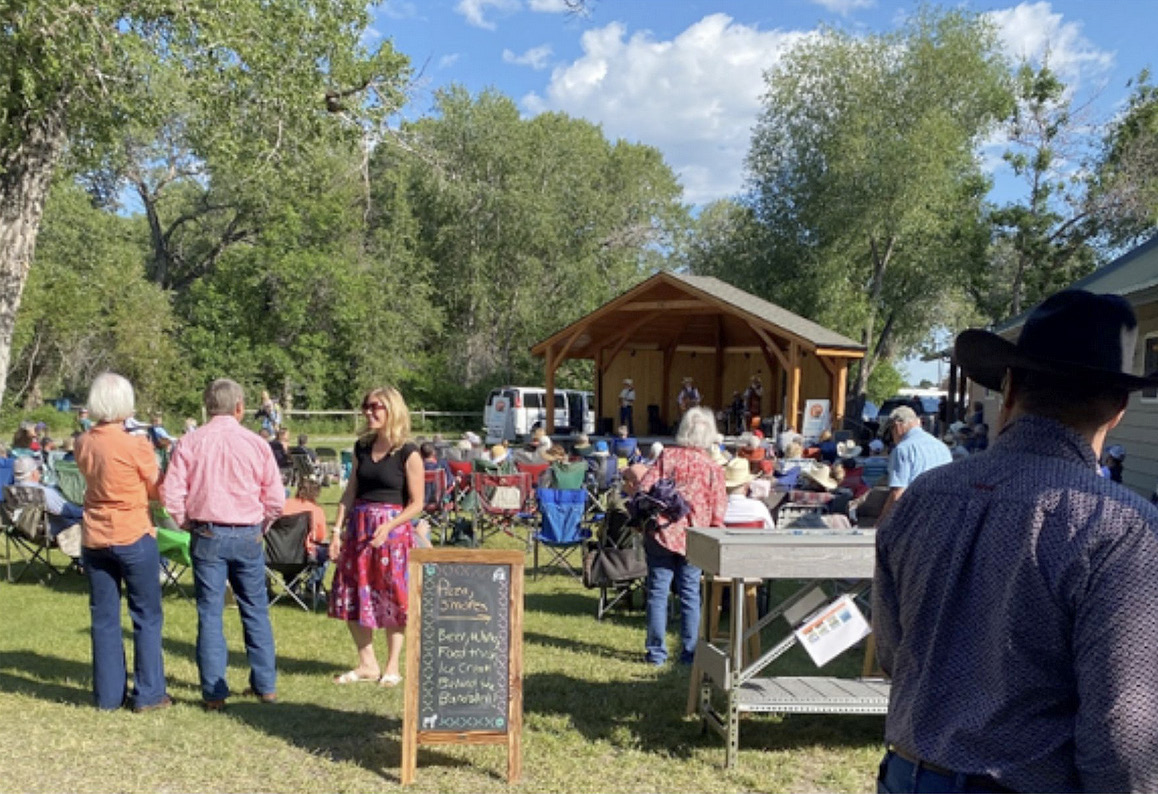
[448,60]
[845,7]
[399,9]
[475,10]
[549,6]
[694,97]
[1032,31]
[536,57]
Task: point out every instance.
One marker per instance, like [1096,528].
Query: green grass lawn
[596,718]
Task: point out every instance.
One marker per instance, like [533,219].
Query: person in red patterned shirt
[700,481]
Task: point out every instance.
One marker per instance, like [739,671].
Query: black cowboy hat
[1073,332]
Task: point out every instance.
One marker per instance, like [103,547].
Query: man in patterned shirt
[1013,594]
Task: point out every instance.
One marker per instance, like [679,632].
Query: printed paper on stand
[831,630]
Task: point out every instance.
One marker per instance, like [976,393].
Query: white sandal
[353,677]
[390,680]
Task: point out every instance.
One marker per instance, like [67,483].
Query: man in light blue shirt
[914,454]
[62,513]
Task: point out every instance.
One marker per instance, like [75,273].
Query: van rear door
[498,415]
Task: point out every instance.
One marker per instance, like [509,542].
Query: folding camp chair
[287,565]
[434,507]
[173,544]
[561,528]
[302,467]
[461,483]
[70,481]
[501,504]
[27,532]
[614,562]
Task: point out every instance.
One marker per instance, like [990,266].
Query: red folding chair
[460,485]
[434,508]
[502,502]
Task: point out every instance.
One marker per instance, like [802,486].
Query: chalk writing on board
[465,645]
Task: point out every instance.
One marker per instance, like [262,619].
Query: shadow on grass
[648,715]
[237,658]
[579,646]
[40,676]
[370,741]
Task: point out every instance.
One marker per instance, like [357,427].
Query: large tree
[524,224]
[864,178]
[243,82]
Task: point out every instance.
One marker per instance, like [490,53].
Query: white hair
[656,448]
[110,398]
[698,429]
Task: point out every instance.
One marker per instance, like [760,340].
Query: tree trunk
[25,178]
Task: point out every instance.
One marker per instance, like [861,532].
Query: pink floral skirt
[369,585]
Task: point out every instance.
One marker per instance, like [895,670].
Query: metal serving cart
[807,555]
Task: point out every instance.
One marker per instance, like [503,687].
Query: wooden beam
[665,306]
[829,366]
[625,335]
[836,352]
[770,344]
[665,397]
[839,383]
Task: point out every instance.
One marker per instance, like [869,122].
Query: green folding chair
[70,481]
[174,547]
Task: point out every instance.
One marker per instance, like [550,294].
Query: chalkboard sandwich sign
[464,637]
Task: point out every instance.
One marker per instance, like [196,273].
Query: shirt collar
[1045,436]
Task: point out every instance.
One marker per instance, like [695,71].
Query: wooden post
[839,377]
[793,414]
[552,362]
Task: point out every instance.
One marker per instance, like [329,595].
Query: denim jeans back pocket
[204,545]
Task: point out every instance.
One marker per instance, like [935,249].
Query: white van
[513,412]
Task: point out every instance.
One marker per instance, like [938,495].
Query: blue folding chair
[561,528]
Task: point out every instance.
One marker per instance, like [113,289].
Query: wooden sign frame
[412,736]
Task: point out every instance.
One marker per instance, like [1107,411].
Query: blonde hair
[397,425]
[794,450]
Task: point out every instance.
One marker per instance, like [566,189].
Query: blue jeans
[626,418]
[901,775]
[662,568]
[222,552]
[135,566]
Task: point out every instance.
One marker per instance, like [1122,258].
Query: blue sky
[686,76]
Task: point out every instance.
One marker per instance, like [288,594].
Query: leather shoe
[264,697]
[163,703]
[213,705]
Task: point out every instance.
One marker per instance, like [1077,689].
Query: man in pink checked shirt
[224,486]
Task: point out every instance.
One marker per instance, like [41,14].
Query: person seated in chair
[306,501]
[626,447]
[582,446]
[280,447]
[62,514]
[742,508]
[431,462]
[602,466]
[303,448]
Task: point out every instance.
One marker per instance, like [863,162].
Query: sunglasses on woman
[373,406]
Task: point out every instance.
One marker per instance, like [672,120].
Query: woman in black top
[378,509]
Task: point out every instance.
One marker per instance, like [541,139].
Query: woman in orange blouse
[119,548]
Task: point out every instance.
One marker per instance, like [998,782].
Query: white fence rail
[418,416]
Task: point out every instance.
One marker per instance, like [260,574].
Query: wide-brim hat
[848,449]
[498,453]
[737,472]
[822,476]
[1072,333]
[628,382]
